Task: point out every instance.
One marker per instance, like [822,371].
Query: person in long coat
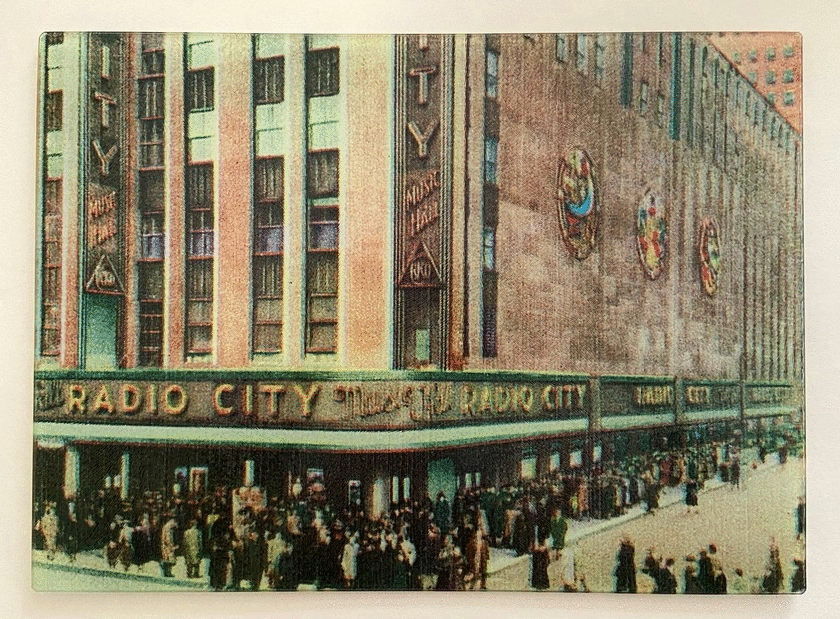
[558,527]
[625,569]
[168,546]
[49,529]
[539,565]
[193,545]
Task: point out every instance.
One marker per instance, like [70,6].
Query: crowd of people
[247,540]
[703,573]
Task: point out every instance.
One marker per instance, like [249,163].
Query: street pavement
[739,521]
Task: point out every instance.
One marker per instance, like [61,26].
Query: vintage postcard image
[419,312]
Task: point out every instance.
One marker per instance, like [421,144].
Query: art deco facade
[403,263]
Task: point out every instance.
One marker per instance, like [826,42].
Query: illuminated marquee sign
[392,404]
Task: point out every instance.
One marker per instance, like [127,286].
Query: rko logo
[709,255]
[577,203]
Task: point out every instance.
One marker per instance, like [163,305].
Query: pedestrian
[691,495]
[568,570]
[349,560]
[735,471]
[539,565]
[797,581]
[705,573]
[690,583]
[625,569]
[193,545]
[738,583]
[667,580]
[773,577]
[558,527]
[719,576]
[800,519]
[48,525]
[168,545]
[478,558]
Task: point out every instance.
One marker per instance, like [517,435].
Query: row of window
[268,219]
[51,248]
[769,54]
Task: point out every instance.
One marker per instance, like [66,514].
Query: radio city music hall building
[404,263]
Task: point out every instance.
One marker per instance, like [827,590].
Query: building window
[491,153]
[660,48]
[268,80]
[753,55]
[268,255]
[770,78]
[152,62]
[491,80]
[581,53]
[787,76]
[151,110]
[771,97]
[788,97]
[736,58]
[771,53]
[753,77]
[489,248]
[54,112]
[560,43]
[788,51]
[322,253]
[322,75]
[322,174]
[200,248]
[151,201]
[200,90]
[600,56]
[643,97]
[51,269]
[489,335]
[627,71]
[660,109]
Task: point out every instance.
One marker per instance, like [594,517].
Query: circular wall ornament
[577,203]
[709,255]
[651,234]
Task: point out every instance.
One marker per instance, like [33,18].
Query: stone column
[71,471]
[125,461]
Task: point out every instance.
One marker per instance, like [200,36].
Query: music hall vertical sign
[423,165]
[103,202]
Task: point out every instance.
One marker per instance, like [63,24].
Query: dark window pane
[323,173]
[200,90]
[322,77]
[268,80]
[54,111]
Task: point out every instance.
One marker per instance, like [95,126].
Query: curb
[93,571]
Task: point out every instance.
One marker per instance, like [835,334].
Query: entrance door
[101,331]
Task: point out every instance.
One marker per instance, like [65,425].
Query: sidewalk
[503,558]
[94,564]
